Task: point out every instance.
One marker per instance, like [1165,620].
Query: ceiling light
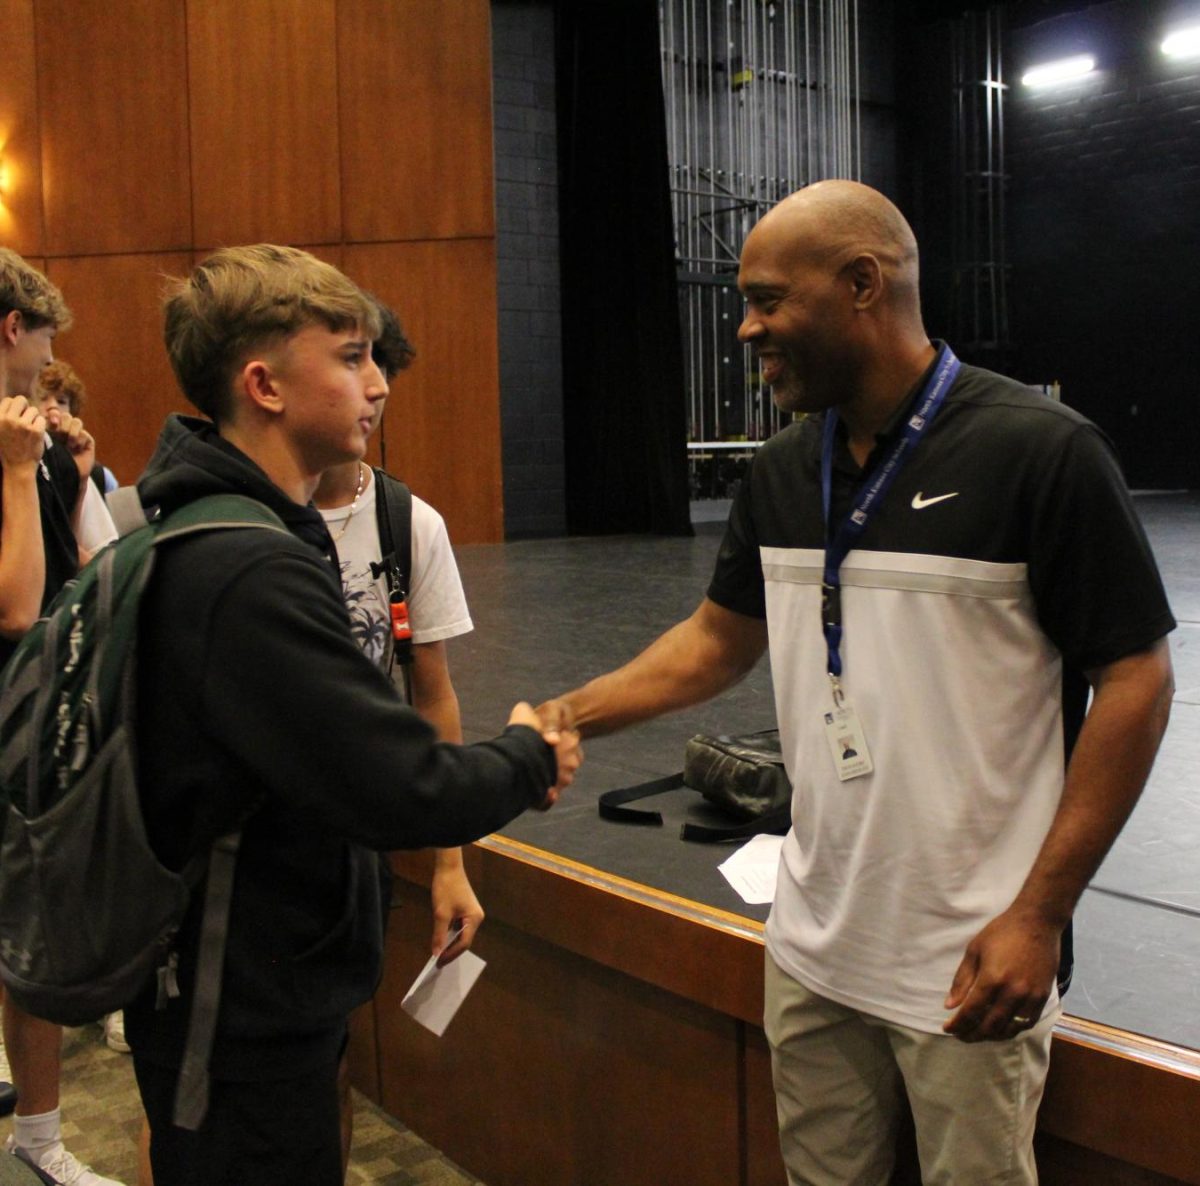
[1064,70]
[1183,43]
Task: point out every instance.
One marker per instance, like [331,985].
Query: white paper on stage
[753,868]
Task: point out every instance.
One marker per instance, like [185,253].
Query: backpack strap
[215,511]
[125,506]
[393,518]
[191,1092]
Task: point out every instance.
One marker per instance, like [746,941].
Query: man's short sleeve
[737,582]
[1096,586]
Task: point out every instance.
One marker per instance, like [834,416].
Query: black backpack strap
[393,517]
[612,803]
[191,1093]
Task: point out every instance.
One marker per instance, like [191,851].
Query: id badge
[847,743]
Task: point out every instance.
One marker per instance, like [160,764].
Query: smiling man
[942,561]
[256,704]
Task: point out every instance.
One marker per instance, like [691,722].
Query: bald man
[942,562]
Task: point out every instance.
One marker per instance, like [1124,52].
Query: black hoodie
[251,688]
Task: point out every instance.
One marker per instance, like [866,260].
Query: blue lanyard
[868,499]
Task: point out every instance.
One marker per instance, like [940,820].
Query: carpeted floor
[102,1118]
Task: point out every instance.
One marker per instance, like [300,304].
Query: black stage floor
[551,613]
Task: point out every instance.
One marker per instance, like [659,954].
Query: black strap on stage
[774,822]
[613,807]
[612,803]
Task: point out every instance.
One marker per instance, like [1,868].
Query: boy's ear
[10,326]
[258,380]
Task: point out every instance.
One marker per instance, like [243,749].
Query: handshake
[554,721]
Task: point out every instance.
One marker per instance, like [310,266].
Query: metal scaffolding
[979,315]
[761,98]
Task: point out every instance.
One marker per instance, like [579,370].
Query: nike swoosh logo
[919,503]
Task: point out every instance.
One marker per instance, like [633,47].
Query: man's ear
[259,380]
[866,277]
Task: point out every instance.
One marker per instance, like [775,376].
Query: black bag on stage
[742,776]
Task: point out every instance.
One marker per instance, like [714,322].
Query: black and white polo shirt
[1005,560]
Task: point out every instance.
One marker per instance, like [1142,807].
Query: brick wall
[527,251]
[1104,230]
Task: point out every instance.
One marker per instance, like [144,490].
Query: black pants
[279,1133]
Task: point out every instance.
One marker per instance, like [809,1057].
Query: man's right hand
[568,753]
[22,432]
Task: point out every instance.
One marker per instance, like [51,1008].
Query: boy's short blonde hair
[242,299]
[25,289]
[61,378]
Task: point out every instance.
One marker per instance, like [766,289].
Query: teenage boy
[256,705]
[42,488]
[347,497]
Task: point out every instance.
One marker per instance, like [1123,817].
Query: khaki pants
[841,1075]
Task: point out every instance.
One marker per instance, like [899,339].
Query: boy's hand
[568,753]
[22,432]
[68,430]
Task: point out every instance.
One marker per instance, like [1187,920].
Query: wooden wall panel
[20,144]
[169,127]
[568,1074]
[1119,1109]
[1124,1097]
[116,346]
[114,126]
[264,121]
[443,423]
[416,112]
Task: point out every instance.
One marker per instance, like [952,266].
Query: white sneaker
[114,1032]
[58,1166]
[8,1093]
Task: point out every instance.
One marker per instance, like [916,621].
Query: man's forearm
[692,662]
[1108,769]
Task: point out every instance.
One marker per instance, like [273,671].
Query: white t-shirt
[96,527]
[437,607]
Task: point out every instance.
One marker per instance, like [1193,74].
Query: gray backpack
[87,912]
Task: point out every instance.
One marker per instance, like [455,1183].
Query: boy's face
[28,351]
[332,394]
[52,401]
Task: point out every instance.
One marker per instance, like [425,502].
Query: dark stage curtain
[623,386]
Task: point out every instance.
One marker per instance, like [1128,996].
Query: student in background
[59,388]
[43,486]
